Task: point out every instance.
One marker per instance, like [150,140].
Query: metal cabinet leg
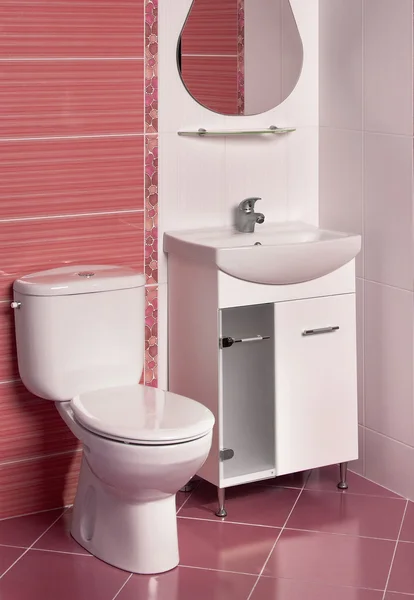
[189,486]
[343,468]
[221,512]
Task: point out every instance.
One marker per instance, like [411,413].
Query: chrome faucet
[246,218]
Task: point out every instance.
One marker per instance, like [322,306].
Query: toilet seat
[138,414]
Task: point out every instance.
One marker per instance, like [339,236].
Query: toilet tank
[79,328]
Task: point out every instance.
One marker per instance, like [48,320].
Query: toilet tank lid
[78,279]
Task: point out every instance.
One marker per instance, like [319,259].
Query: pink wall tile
[30,426]
[151,66]
[38,484]
[41,98]
[151,209]
[388,66]
[340,63]
[68,176]
[151,337]
[199,72]
[360,316]
[388,235]
[52,29]
[211,28]
[388,361]
[8,362]
[29,246]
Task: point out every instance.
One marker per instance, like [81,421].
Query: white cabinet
[284,404]
[315,382]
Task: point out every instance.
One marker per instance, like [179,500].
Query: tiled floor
[295,538]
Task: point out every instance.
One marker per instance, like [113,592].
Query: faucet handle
[247,206]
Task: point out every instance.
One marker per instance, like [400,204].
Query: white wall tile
[388,66]
[303,175]
[360,289]
[340,74]
[388,361]
[388,239]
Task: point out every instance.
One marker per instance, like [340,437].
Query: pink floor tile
[351,514]
[187,584]
[397,596]
[402,572]
[7,557]
[340,560]
[255,504]
[51,575]
[23,531]
[180,498]
[326,479]
[224,546]
[58,537]
[288,589]
[407,531]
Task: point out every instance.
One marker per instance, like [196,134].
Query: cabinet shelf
[272,130]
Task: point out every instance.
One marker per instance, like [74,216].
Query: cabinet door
[316,383]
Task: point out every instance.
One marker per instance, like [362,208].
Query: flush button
[86,274]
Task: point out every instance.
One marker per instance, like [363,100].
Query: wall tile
[388,361]
[53,29]
[211,28]
[151,337]
[388,66]
[340,63]
[151,209]
[30,246]
[8,359]
[341,182]
[38,484]
[389,463]
[31,426]
[71,176]
[388,232]
[358,466]
[212,81]
[43,98]
[360,288]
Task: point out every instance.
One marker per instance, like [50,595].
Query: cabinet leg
[221,512]
[343,468]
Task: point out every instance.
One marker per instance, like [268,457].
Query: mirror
[240,57]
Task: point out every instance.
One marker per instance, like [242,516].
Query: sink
[276,254]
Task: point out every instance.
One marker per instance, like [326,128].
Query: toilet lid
[141,414]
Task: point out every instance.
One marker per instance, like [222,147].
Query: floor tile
[351,514]
[326,479]
[402,572]
[7,557]
[397,596]
[288,589]
[407,531]
[339,560]
[58,537]
[224,546]
[180,498]
[40,575]
[23,531]
[186,584]
[255,504]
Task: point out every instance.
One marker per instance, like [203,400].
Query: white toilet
[80,342]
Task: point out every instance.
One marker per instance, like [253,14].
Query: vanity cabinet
[284,403]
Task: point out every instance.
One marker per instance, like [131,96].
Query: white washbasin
[276,254]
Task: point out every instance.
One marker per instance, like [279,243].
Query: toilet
[80,343]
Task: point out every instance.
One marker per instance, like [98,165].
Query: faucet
[246,218]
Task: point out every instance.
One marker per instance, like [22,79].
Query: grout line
[35,542]
[91,136]
[72,215]
[187,499]
[216,570]
[33,459]
[278,537]
[122,587]
[13,546]
[8,380]
[395,552]
[89,555]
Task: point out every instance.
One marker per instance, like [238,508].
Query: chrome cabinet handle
[320,330]
[227,342]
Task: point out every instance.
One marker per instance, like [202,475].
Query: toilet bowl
[79,334]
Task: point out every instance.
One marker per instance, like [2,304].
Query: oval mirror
[240,57]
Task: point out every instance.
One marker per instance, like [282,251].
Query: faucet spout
[246,217]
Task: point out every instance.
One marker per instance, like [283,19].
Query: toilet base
[140,537]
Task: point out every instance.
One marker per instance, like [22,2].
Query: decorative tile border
[240,57]
[151,66]
[151,191]
[151,336]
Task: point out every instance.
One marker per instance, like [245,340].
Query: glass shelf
[273,130]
